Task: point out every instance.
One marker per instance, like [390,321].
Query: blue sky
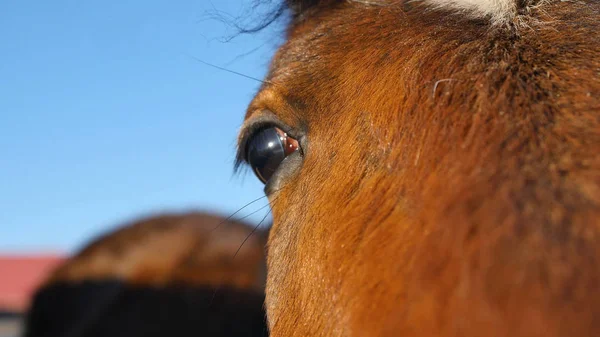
[104,116]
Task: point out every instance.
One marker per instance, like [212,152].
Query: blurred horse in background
[168,275]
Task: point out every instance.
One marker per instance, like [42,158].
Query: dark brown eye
[267,149]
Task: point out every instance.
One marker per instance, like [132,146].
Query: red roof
[20,276]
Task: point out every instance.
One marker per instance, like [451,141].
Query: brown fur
[450,183]
[187,249]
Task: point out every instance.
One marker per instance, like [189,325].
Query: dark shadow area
[113,308]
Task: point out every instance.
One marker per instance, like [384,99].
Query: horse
[433,168]
[165,275]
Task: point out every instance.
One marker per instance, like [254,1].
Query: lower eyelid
[289,167]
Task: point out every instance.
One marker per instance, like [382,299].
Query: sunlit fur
[450,184]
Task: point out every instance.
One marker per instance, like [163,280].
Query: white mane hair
[498,11]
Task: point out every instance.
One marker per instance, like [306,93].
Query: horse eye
[266,150]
